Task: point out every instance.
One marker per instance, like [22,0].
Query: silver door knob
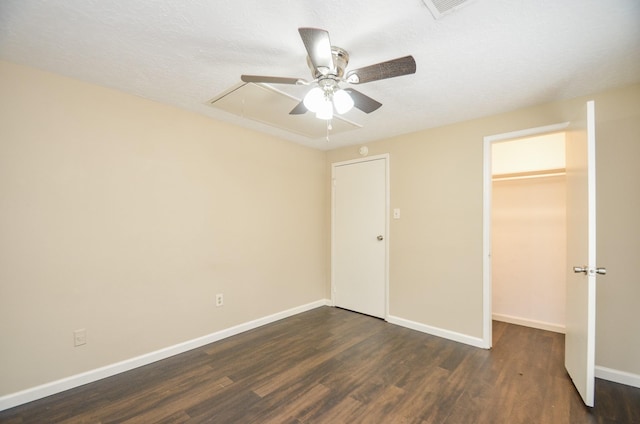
[579,269]
[589,271]
[380,238]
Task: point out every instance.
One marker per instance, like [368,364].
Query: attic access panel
[265,104]
[438,8]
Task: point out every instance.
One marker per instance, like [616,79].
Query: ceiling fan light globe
[342,101]
[314,99]
[325,111]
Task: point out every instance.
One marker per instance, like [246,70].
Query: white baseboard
[44,390]
[541,325]
[38,392]
[604,373]
[616,376]
[435,331]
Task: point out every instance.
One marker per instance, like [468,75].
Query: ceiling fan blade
[362,101]
[392,68]
[270,80]
[318,46]
[300,109]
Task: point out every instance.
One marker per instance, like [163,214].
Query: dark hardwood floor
[333,366]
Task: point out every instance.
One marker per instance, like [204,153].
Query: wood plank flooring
[329,365]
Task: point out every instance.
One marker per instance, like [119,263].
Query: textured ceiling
[487,57]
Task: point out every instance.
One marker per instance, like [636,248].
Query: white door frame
[384,156]
[487,331]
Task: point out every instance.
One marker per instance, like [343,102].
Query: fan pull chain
[329,128]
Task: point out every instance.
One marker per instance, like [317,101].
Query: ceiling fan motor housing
[340,62]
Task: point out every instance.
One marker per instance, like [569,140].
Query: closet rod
[530,174]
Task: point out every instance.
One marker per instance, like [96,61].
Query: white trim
[387,235]
[621,377]
[540,325]
[529,132]
[439,332]
[387,163]
[487,305]
[47,389]
[487,332]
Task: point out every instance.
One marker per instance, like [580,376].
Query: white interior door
[581,254]
[359,239]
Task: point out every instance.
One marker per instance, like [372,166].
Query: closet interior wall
[529,239]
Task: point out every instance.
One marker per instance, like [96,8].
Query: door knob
[579,269]
[589,271]
[380,238]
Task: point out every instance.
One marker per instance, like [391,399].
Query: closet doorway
[528,231]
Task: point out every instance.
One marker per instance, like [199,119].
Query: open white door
[581,254]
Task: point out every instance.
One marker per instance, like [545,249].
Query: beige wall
[529,154]
[436,247]
[528,251]
[126,217]
[618,233]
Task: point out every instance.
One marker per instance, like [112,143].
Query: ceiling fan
[328,64]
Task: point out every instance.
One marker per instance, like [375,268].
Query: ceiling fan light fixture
[314,99]
[342,101]
[325,111]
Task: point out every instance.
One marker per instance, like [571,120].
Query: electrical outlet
[80,337]
[219,299]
